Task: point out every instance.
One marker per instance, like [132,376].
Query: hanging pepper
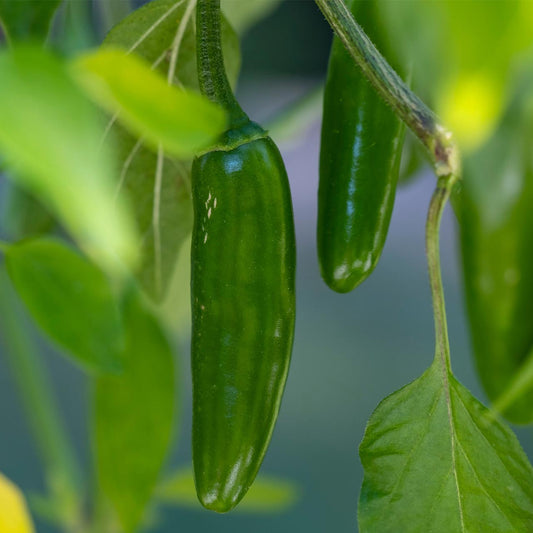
[359,166]
[243,300]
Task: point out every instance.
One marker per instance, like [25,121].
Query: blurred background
[350,351]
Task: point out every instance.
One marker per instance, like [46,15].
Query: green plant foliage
[70,299]
[157,186]
[27,19]
[497,250]
[435,462]
[133,415]
[268,494]
[50,138]
[181,122]
[452,68]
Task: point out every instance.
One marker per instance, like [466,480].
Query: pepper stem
[407,105]
[436,208]
[211,71]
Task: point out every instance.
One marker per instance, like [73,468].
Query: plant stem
[211,71]
[436,208]
[62,470]
[407,105]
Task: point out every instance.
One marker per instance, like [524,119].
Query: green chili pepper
[243,301]
[359,167]
[497,249]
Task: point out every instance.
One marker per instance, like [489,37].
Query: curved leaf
[435,460]
[133,415]
[70,299]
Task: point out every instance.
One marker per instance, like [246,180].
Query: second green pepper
[359,167]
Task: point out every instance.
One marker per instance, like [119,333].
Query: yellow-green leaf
[181,122]
[50,137]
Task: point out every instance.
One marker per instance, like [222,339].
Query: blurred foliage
[465,57]
[50,137]
[71,300]
[268,494]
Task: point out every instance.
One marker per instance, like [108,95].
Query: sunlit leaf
[133,415]
[70,299]
[50,138]
[454,68]
[268,494]
[434,461]
[181,122]
[27,19]
[159,187]
[14,515]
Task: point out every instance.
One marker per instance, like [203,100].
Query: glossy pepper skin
[496,219]
[243,302]
[359,166]
[243,260]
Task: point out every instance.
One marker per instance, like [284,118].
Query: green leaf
[70,299]
[243,15]
[181,122]
[133,415]
[27,19]
[268,494]
[434,461]
[157,186]
[497,253]
[50,138]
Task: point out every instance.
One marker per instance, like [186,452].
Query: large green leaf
[70,299]
[157,186]
[133,415]
[27,19]
[50,139]
[435,460]
[268,494]
[181,122]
